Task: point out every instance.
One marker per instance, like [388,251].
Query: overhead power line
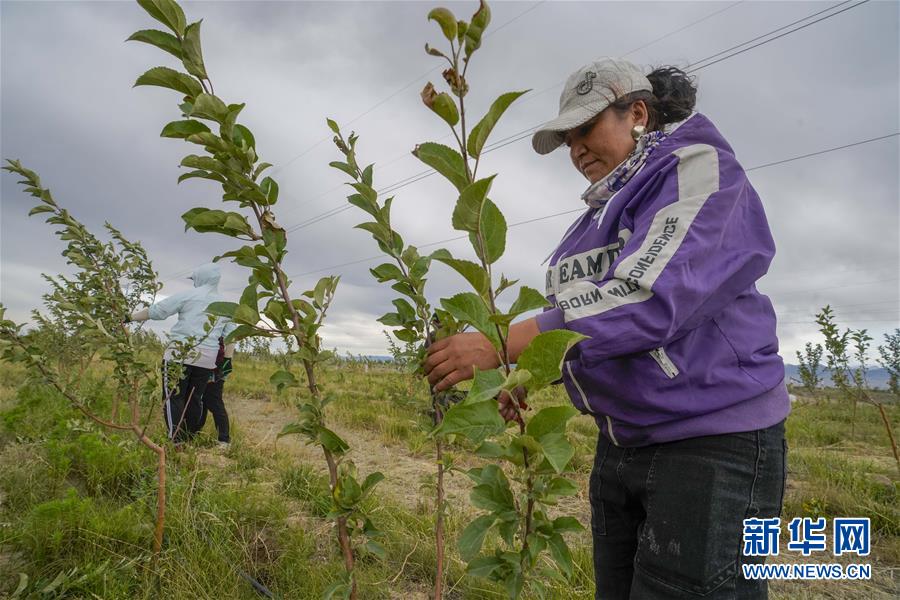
[527,98]
[526,133]
[375,106]
[399,91]
[581,209]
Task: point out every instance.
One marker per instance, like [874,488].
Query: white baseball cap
[587,92]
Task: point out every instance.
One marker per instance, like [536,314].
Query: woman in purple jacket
[681,371]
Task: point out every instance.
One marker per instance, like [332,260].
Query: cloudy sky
[70,113]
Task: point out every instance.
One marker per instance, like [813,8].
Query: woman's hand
[451,359]
[510,408]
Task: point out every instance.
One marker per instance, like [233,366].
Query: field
[76,503]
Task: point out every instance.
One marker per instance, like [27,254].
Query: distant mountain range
[878,378]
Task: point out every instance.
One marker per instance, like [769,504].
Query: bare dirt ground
[260,420]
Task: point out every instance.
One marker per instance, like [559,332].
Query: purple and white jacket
[681,342]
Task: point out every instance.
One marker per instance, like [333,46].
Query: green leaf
[557,450]
[544,356]
[445,160]
[202,175]
[373,547]
[249,297]
[205,220]
[490,497]
[516,378]
[446,20]
[371,481]
[182,129]
[269,188]
[333,126]
[474,421]
[559,551]
[40,208]
[346,168]
[406,335]
[485,385]
[493,232]
[467,213]
[242,331]
[367,175]
[332,441]
[493,492]
[209,140]
[246,314]
[242,134]
[207,106]
[483,566]
[172,79]
[551,419]
[193,53]
[567,524]
[529,299]
[167,12]
[222,309]
[482,130]
[363,202]
[472,537]
[470,308]
[441,104]
[161,39]
[559,487]
[387,272]
[480,21]
[260,168]
[205,163]
[293,429]
[472,272]
[231,114]
[404,309]
[282,379]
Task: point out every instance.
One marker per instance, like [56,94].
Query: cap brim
[552,135]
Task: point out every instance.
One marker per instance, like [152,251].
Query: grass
[76,502]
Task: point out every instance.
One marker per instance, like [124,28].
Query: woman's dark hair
[673,98]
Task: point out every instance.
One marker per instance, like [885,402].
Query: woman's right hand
[510,408]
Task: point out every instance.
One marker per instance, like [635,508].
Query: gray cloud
[68,111]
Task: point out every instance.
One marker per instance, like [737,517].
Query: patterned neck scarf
[599,193]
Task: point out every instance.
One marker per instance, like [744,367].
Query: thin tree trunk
[160,490]
[343,534]
[439,520]
[887,427]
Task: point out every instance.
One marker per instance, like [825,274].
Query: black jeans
[667,519]
[213,403]
[183,405]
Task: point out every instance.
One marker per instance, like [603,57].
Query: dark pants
[183,407]
[213,403]
[667,519]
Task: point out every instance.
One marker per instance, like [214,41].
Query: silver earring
[637,131]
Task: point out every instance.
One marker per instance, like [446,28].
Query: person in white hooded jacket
[183,409]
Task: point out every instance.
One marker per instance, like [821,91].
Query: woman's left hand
[451,360]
